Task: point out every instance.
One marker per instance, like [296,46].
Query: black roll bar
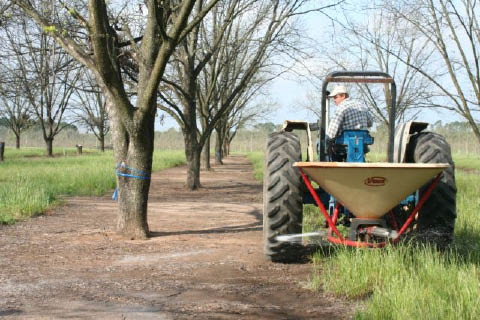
[360,77]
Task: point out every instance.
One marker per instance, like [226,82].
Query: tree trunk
[226,148]
[102,142]
[2,150]
[206,155]
[192,153]
[218,152]
[192,149]
[49,143]
[133,155]
[17,141]
[218,148]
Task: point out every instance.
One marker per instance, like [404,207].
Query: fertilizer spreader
[377,203]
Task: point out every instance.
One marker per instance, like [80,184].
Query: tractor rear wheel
[282,195]
[436,220]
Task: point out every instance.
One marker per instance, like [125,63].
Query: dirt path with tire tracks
[204,260]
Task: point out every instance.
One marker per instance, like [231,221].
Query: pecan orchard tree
[40,77]
[151,41]
[91,111]
[181,102]
[452,30]
[15,111]
[237,47]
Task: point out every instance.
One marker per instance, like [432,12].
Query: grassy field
[467,161]
[256,158]
[403,281]
[30,183]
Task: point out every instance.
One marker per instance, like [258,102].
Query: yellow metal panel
[370,190]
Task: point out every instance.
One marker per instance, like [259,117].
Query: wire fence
[245,140]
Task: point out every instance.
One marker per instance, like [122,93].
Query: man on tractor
[349,115]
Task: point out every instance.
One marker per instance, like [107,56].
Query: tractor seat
[351,146]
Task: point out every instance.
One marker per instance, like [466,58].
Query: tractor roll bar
[360,77]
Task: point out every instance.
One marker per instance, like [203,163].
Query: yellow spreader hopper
[368,190]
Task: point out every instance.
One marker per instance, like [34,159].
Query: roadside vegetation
[257,159]
[467,162]
[31,183]
[406,281]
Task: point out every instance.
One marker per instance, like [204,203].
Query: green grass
[257,158]
[403,282]
[375,157]
[409,282]
[464,161]
[30,183]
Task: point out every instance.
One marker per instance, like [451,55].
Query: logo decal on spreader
[375,181]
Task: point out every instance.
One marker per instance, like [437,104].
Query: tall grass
[407,281]
[404,282]
[257,158]
[31,183]
[470,161]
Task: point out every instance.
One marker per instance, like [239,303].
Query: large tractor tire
[435,222]
[282,195]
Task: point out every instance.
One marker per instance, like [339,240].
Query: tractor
[411,196]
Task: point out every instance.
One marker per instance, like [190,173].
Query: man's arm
[334,125]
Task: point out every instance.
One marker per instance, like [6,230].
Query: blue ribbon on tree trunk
[131,173]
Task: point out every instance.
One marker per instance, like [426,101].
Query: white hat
[337,90]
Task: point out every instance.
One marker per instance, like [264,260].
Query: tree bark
[192,153]
[206,155]
[17,141]
[218,150]
[2,150]
[133,151]
[219,147]
[102,145]
[102,141]
[226,148]
[49,144]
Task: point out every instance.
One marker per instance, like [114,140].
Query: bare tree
[46,73]
[262,49]
[376,43]
[186,66]
[15,111]
[245,113]
[264,28]
[102,46]
[244,108]
[91,108]
[452,31]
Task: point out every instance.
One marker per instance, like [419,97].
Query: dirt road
[204,261]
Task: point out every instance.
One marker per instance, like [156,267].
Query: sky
[288,92]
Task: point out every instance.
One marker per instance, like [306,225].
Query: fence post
[79,149]
[2,150]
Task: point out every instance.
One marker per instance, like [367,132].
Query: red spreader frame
[339,239]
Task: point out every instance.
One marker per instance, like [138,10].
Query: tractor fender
[290,125]
[402,138]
